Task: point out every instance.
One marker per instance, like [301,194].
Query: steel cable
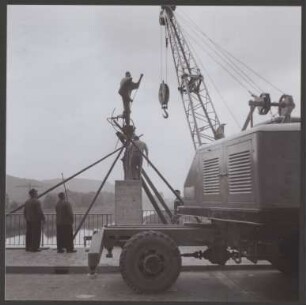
[225,52]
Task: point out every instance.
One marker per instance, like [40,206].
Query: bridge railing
[16,226]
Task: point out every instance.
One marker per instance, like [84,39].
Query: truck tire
[150,262]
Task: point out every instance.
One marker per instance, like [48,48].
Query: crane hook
[165,115]
[163,95]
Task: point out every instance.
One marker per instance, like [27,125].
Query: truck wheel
[150,262]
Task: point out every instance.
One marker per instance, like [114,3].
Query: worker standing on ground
[35,218]
[136,158]
[64,221]
[125,90]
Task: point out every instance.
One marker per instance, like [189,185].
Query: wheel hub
[152,264]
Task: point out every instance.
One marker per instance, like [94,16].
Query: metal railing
[16,226]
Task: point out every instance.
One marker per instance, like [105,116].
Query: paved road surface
[209,286]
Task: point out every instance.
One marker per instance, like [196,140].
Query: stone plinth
[128,202]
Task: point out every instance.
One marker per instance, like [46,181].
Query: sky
[65,63]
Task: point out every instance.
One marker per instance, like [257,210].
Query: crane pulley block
[162,16]
[263,103]
[163,95]
[266,104]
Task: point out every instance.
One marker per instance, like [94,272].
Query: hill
[17,188]
[81,192]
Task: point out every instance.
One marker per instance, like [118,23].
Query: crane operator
[126,87]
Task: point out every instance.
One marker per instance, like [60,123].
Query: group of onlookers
[35,219]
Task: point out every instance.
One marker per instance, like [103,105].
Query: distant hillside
[82,185]
[17,188]
[81,192]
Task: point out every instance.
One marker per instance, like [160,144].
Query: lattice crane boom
[203,122]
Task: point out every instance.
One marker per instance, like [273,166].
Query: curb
[113,269]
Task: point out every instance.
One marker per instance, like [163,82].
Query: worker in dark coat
[125,90]
[34,217]
[64,222]
[136,157]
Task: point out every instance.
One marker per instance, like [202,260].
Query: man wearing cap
[34,217]
[136,157]
[125,90]
[64,222]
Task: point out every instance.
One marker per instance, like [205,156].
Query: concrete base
[128,202]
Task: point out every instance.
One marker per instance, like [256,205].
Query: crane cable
[164,89]
[222,99]
[166,56]
[216,88]
[221,54]
[239,78]
[222,66]
[161,54]
[228,54]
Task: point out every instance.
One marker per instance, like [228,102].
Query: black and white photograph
[154,153]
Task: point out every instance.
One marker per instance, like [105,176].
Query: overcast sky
[65,63]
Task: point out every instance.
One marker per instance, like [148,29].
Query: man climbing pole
[136,158]
[125,90]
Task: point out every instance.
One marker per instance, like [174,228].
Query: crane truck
[246,185]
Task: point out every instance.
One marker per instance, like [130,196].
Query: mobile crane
[247,185]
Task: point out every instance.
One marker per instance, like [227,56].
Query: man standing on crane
[125,90]
[136,158]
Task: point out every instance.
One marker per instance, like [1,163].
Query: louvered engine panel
[240,173]
[211,176]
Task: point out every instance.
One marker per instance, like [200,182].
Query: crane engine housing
[257,170]
[248,185]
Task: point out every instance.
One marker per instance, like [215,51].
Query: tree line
[79,201]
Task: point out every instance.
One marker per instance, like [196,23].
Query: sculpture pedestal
[128,202]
